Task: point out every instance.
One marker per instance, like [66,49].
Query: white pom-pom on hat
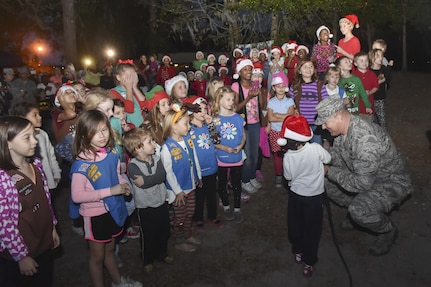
[282,141]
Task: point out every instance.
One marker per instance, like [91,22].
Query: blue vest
[204,149]
[181,162]
[231,130]
[103,174]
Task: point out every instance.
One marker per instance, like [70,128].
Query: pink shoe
[245,196]
[308,270]
[259,176]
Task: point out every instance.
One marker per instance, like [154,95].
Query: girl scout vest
[181,162]
[231,131]
[103,174]
[204,149]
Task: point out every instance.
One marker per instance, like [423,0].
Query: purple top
[309,100]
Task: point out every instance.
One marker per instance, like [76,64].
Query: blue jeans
[251,149]
[315,138]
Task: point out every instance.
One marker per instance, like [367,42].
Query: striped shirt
[309,100]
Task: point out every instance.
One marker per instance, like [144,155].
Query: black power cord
[334,238]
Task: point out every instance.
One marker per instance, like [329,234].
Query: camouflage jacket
[366,159]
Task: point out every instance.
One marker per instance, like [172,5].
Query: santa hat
[155,95]
[199,52]
[277,49]
[222,56]
[169,84]
[199,72]
[264,51]
[221,68]
[291,45]
[241,64]
[257,68]
[284,47]
[211,67]
[237,50]
[295,127]
[301,47]
[352,18]
[63,89]
[166,56]
[202,65]
[323,27]
[195,100]
[211,56]
[182,74]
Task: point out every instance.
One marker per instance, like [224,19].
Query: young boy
[353,87]
[120,113]
[148,175]
[45,150]
[303,167]
[381,45]
[369,81]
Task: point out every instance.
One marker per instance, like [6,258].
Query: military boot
[384,242]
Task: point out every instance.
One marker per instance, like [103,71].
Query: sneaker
[384,243]
[199,226]
[132,232]
[248,187]
[148,268]
[259,176]
[78,230]
[193,241]
[238,217]
[124,239]
[127,282]
[298,257]
[185,247]
[245,197]
[255,183]
[217,223]
[308,270]
[278,181]
[228,214]
[167,259]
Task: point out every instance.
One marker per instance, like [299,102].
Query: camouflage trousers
[368,209]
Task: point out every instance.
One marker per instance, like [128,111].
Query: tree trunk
[404,40]
[274,26]
[152,25]
[69,31]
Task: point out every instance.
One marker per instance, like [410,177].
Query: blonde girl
[212,88]
[230,150]
[96,182]
[183,174]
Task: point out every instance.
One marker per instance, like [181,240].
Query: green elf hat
[152,97]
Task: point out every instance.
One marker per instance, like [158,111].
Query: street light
[110,53]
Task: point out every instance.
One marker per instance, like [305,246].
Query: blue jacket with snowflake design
[205,149]
[231,131]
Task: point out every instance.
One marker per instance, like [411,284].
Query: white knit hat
[169,84]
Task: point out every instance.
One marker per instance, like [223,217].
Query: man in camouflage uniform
[367,174]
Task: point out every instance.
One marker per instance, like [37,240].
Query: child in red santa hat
[303,168]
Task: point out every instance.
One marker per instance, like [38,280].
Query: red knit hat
[295,127]
[155,95]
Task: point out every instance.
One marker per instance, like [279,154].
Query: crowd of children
[172,147]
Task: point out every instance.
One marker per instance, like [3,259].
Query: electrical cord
[334,239]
